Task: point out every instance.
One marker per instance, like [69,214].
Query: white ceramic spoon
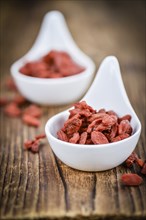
[107,91]
[54,35]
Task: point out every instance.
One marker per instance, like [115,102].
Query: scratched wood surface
[39,185]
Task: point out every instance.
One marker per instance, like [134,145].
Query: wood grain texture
[40,186]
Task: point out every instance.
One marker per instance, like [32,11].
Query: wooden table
[40,185]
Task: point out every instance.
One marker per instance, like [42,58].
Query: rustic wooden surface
[39,185]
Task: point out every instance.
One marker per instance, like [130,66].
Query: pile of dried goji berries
[88,126]
[56,64]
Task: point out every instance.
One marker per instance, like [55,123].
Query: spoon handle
[108,89]
[53,29]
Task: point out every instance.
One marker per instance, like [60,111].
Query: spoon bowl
[54,35]
[107,91]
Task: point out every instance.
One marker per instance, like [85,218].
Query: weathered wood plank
[106,198]
[79,190]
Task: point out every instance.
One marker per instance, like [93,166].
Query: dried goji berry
[98,138]
[131,179]
[131,159]
[139,162]
[102,110]
[113,131]
[86,113]
[40,136]
[120,137]
[93,125]
[28,144]
[109,120]
[12,110]
[83,138]
[95,116]
[125,117]
[30,120]
[62,136]
[19,100]
[74,139]
[110,134]
[111,112]
[72,125]
[33,110]
[35,146]
[124,127]
[102,128]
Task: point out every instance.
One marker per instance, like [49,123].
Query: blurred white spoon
[54,35]
[107,91]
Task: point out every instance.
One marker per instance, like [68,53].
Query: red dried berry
[131,179]
[40,136]
[102,110]
[98,138]
[139,162]
[111,112]
[124,127]
[33,110]
[35,146]
[109,120]
[72,125]
[30,120]
[131,159]
[85,113]
[24,70]
[28,144]
[93,125]
[110,134]
[83,106]
[44,74]
[74,139]
[125,117]
[12,110]
[62,136]
[113,131]
[120,137]
[102,128]
[19,100]
[83,138]
[95,116]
